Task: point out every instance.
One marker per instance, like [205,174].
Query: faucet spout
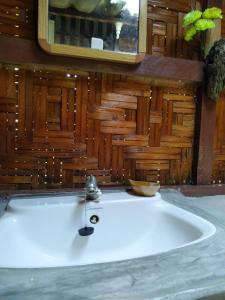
[92,191]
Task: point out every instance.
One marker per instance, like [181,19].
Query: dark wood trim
[22,51]
[203,144]
[205,124]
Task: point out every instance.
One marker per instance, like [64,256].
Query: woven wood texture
[18,18]
[164,26]
[165,32]
[56,129]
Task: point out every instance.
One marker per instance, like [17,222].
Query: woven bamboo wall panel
[219,143]
[165,31]
[57,128]
[18,18]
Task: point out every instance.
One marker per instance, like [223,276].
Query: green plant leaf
[212,13]
[204,24]
[190,34]
[191,17]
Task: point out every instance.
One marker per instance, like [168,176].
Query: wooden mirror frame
[70,50]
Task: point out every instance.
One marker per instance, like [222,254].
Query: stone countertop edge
[187,190]
[192,272]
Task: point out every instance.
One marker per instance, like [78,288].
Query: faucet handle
[92,190]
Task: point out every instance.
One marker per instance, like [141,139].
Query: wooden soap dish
[144,188]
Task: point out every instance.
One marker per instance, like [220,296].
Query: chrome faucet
[92,191]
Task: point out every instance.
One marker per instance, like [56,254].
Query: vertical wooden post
[205,119]
[204,133]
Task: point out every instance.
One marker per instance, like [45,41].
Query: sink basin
[40,232]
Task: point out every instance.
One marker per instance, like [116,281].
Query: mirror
[99,29]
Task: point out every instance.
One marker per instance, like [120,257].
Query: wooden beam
[205,121]
[204,133]
[22,51]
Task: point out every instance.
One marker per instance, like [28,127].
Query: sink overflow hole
[94,219]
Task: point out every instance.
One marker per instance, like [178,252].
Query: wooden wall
[165,31]
[223,20]
[18,18]
[57,129]
[219,143]
[218,175]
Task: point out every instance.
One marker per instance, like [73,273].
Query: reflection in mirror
[99,24]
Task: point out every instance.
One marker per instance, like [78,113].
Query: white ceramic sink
[42,232]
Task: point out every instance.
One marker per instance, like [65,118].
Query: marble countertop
[193,272]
